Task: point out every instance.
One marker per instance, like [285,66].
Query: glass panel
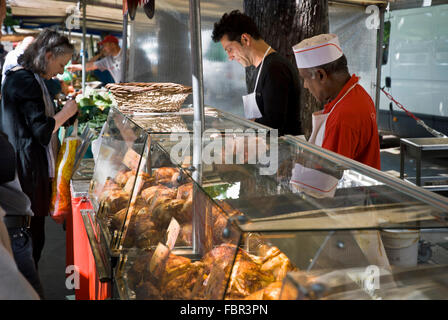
[200,271]
[182,121]
[114,175]
[418,283]
[369,264]
[298,186]
[123,164]
[162,198]
[258,270]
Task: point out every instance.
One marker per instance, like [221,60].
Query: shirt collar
[117,56]
[351,82]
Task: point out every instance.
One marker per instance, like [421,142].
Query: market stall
[242,232]
[158,218]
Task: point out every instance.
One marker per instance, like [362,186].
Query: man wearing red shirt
[347,124]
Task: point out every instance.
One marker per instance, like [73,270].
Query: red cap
[108,38]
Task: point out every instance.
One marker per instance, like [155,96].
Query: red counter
[79,252]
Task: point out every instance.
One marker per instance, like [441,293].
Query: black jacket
[23,119]
[7,160]
[278,95]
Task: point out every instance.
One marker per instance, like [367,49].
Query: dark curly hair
[234,24]
[33,58]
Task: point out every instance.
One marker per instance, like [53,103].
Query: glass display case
[189,261]
[252,211]
[319,213]
[135,179]
[288,178]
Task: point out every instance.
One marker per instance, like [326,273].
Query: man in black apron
[274,101]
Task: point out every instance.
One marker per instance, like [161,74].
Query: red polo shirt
[351,128]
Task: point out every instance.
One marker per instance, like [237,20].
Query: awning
[102,15]
[107,15]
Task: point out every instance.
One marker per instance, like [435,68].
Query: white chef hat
[318,50]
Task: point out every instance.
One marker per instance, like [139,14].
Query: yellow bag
[61,197]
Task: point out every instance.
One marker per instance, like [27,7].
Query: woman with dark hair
[28,117]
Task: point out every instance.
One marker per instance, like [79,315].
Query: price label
[172,233]
[131,159]
[158,260]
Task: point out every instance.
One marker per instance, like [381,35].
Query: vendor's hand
[74,67]
[98,56]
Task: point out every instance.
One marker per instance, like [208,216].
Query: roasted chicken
[247,277]
[271,292]
[185,191]
[115,200]
[164,173]
[122,177]
[160,191]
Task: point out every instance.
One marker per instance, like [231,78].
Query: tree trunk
[282,24]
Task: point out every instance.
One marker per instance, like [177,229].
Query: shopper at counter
[111,62]
[53,85]
[347,124]
[275,100]
[28,117]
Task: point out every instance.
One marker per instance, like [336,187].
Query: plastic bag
[61,197]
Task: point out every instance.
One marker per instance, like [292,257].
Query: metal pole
[198,107]
[124,48]
[83,45]
[131,54]
[196,57]
[198,85]
[379,61]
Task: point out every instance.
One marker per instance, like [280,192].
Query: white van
[415,71]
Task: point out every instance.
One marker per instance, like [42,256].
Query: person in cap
[347,124]
[274,101]
[111,61]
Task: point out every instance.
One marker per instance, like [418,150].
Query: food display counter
[323,212]
[131,171]
[247,224]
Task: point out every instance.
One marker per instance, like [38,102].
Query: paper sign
[172,233]
[131,159]
[158,260]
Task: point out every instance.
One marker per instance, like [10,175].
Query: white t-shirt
[113,64]
[11,60]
